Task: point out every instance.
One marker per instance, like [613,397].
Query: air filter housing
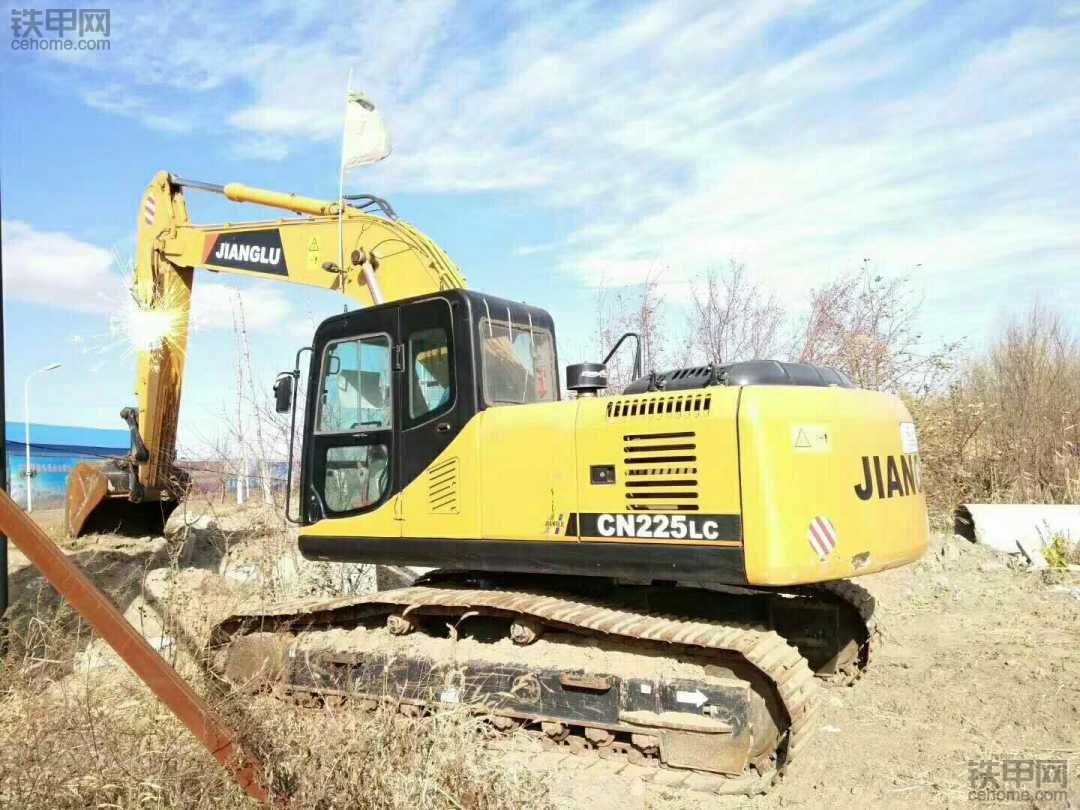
[586,379]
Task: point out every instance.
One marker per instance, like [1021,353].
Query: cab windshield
[355,386]
[518,362]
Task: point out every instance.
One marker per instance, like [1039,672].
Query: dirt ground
[980,662]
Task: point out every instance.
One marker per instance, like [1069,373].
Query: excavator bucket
[99,499]
[107,496]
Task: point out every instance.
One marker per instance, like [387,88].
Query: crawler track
[833,624]
[722,743]
[860,601]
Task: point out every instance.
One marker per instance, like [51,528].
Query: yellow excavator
[657,573]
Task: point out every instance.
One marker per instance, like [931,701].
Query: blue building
[54,450]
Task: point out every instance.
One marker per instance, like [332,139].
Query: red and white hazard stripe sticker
[822,536]
[148,211]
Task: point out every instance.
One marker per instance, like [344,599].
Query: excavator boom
[335,245]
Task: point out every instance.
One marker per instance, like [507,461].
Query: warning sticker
[822,537]
[909,442]
[313,254]
[810,438]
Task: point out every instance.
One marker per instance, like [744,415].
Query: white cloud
[532,250]
[796,136]
[57,270]
[215,305]
[259,147]
[301,330]
[276,74]
[120,101]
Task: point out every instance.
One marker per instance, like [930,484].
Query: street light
[26,426]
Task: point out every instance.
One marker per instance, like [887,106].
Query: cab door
[430,409]
[353,414]
[437,462]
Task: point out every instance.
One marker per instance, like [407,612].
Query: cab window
[357,476]
[518,362]
[430,382]
[356,393]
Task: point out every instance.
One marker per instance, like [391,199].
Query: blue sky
[549,149]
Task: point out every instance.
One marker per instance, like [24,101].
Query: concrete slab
[1024,528]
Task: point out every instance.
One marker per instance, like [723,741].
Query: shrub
[1005,428]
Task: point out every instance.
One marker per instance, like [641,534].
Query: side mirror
[283,393]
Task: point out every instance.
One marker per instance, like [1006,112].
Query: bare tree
[635,308]
[1031,381]
[257,434]
[864,325]
[732,318]
[250,434]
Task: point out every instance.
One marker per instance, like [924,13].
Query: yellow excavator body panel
[761,484]
[768,485]
[806,454]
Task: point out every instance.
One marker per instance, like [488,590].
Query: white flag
[365,139]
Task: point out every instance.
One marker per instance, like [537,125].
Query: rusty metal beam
[3,457]
[98,609]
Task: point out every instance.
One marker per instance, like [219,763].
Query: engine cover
[750,372]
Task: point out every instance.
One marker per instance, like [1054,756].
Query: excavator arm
[365,256]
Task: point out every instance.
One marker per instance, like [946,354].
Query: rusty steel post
[3,457]
[98,609]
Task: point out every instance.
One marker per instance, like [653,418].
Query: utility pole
[26,427]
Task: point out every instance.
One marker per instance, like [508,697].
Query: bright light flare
[135,327]
[148,329]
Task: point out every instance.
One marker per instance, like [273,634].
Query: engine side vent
[442,480]
[695,404]
[660,471]
[699,373]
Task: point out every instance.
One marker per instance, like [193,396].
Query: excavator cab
[391,386]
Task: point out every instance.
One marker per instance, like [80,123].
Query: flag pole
[341,187]
[368,263]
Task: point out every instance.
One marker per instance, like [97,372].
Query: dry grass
[44,633]
[76,737]
[96,742]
